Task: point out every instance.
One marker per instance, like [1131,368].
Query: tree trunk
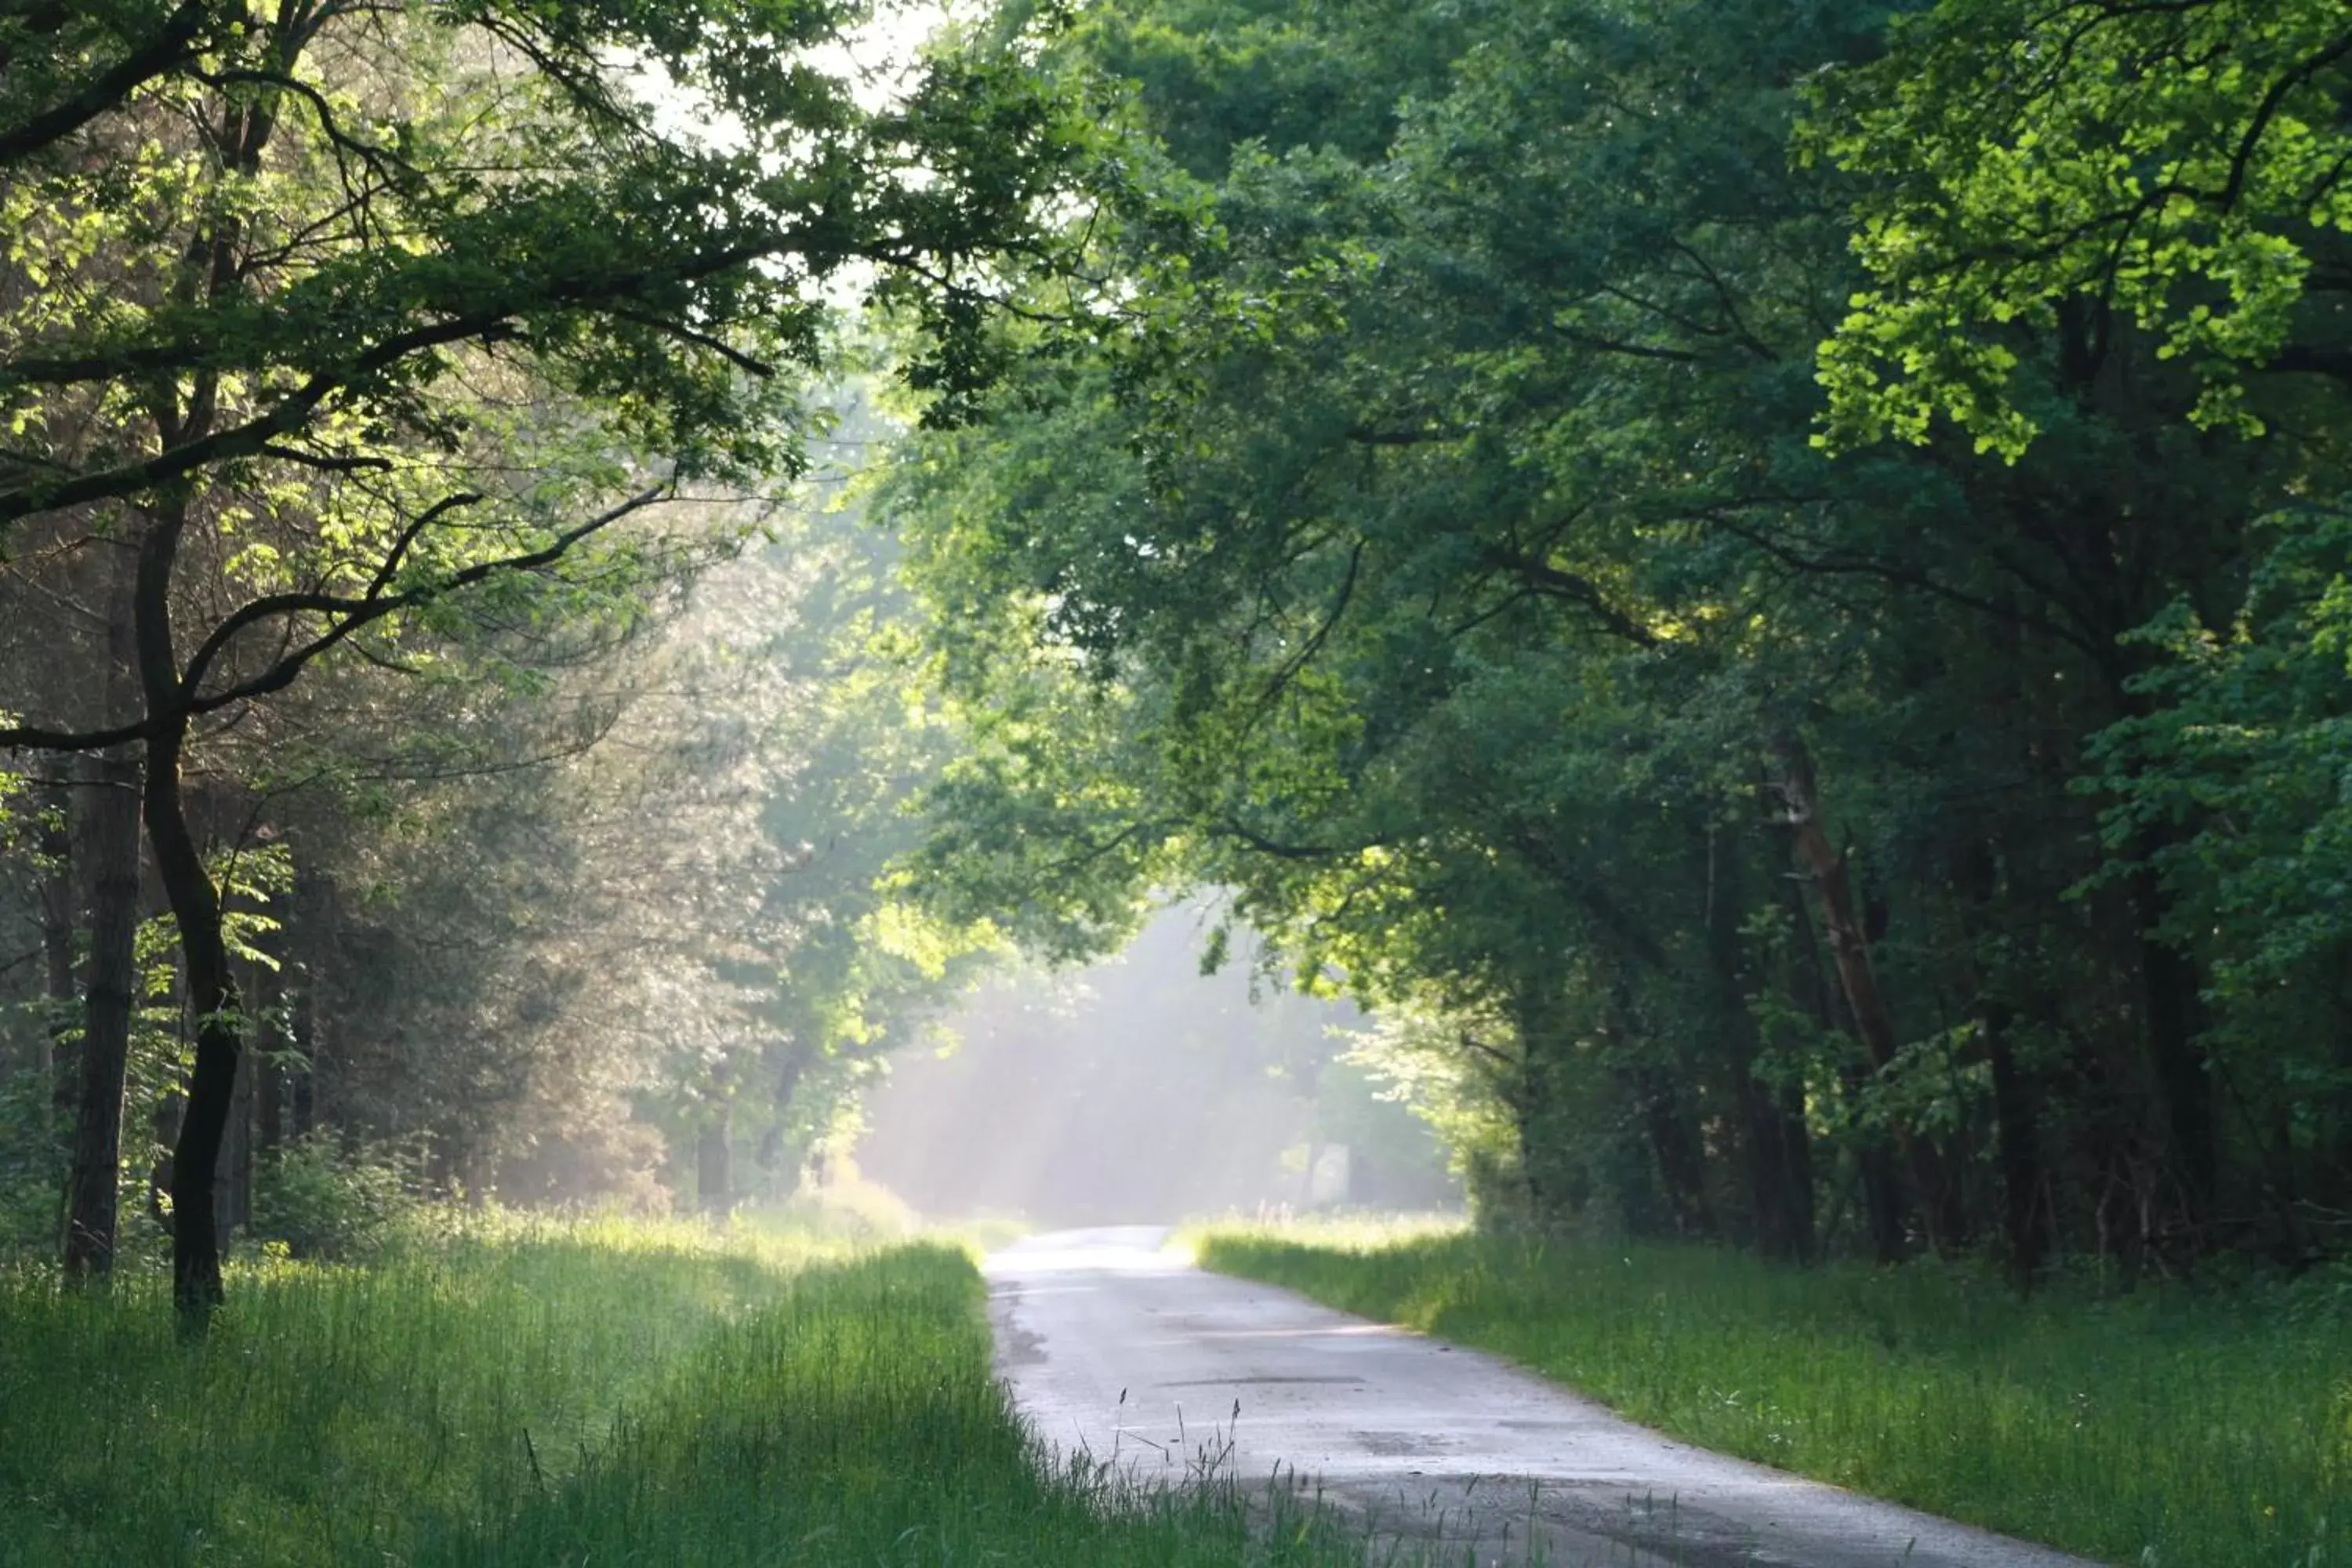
[1797,1166]
[311,943]
[714,1164]
[233,1188]
[302,1078]
[50,1057]
[111,848]
[1775,1153]
[1667,1120]
[2172,1017]
[2017,1131]
[1886,1217]
[212,1001]
[1682,1168]
[1825,867]
[109,853]
[2025,1231]
[211,997]
[1535,1103]
[268,1074]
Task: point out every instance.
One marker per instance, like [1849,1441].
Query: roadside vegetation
[513,1392]
[2167,1426]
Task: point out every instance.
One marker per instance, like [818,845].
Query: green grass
[2162,1427]
[565,1394]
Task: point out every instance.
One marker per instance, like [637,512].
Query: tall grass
[586,1395]
[2164,1427]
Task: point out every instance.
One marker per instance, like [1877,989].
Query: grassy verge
[589,1394]
[2161,1427]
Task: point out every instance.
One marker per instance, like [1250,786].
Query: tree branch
[356,614]
[172,46]
[269,606]
[1553,583]
[282,673]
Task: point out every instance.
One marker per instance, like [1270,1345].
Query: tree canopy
[2179,168]
[328,329]
[1458,532]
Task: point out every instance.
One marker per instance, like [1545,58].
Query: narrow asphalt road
[1112,1347]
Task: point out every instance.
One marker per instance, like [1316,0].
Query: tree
[2122,189]
[1321,538]
[1427,540]
[324,315]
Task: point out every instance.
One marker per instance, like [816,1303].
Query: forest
[1755,593]
[1765,584]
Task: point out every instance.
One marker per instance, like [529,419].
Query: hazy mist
[1137,1089]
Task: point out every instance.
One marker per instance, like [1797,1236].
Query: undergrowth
[564,1394]
[2165,1428]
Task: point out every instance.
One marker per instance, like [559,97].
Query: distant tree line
[1769,582]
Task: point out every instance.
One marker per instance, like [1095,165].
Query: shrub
[320,1201]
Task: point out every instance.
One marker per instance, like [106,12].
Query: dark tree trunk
[311,942]
[1666,1118]
[268,1075]
[2017,1131]
[212,1001]
[233,1181]
[1681,1169]
[1796,1164]
[211,997]
[1886,1208]
[2172,1017]
[2025,1230]
[1779,1162]
[1886,1217]
[51,1058]
[1537,1112]
[269,1111]
[110,852]
[111,848]
[1825,867]
[301,1098]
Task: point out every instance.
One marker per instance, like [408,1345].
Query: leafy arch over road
[1430,541]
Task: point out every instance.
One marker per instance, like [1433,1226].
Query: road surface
[1113,1347]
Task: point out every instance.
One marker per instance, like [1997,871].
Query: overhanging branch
[354,615]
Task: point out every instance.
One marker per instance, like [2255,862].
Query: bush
[320,1201]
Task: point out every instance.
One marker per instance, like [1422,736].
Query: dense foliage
[1767,583]
[371,374]
[1883,795]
